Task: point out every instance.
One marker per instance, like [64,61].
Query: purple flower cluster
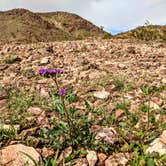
[62,91]
[49,71]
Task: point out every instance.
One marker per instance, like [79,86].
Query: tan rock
[47,152]
[119,113]
[44,92]
[44,61]
[34,110]
[158,145]
[12,155]
[3,93]
[101,95]
[157,100]
[154,105]
[122,66]
[164,81]
[3,104]
[117,159]
[66,153]
[92,158]
[81,162]
[101,157]
[109,135]
[163,137]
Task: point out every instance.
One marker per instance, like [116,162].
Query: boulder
[158,145]
[13,155]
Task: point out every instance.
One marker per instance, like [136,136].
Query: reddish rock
[12,155]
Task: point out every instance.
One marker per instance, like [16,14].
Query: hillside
[146,33]
[111,109]
[20,25]
[73,24]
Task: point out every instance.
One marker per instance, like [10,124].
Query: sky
[114,15]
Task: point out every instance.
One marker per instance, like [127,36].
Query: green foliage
[148,92]
[149,33]
[119,83]
[7,134]
[145,90]
[11,59]
[73,127]
[144,108]
[122,104]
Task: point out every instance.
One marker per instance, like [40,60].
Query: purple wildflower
[49,71]
[42,71]
[62,91]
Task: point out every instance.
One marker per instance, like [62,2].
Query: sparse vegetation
[110,100]
[146,33]
[74,128]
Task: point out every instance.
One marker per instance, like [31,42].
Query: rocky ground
[112,75]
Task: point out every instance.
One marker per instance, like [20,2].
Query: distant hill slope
[73,24]
[21,25]
[146,33]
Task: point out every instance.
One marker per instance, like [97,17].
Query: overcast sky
[113,15]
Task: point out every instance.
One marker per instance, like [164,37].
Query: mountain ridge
[145,33]
[22,25]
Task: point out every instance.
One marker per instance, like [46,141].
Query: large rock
[158,145]
[109,135]
[44,61]
[12,155]
[34,110]
[92,158]
[101,95]
[117,159]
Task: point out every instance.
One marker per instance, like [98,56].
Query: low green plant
[148,92]
[71,126]
[11,59]
[119,82]
[6,135]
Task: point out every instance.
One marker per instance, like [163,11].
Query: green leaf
[145,90]
[59,106]
[144,108]
[45,131]
[154,89]
[88,107]
[122,124]
[72,111]
[163,126]
[150,162]
[64,126]
[71,98]
[84,152]
[31,158]
[56,130]
[152,119]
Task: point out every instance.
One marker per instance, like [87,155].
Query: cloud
[112,14]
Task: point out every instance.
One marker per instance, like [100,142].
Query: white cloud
[113,14]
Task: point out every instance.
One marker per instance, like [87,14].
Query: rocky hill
[146,33]
[116,101]
[83,102]
[20,25]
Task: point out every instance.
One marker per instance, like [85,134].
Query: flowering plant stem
[68,119]
[56,82]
